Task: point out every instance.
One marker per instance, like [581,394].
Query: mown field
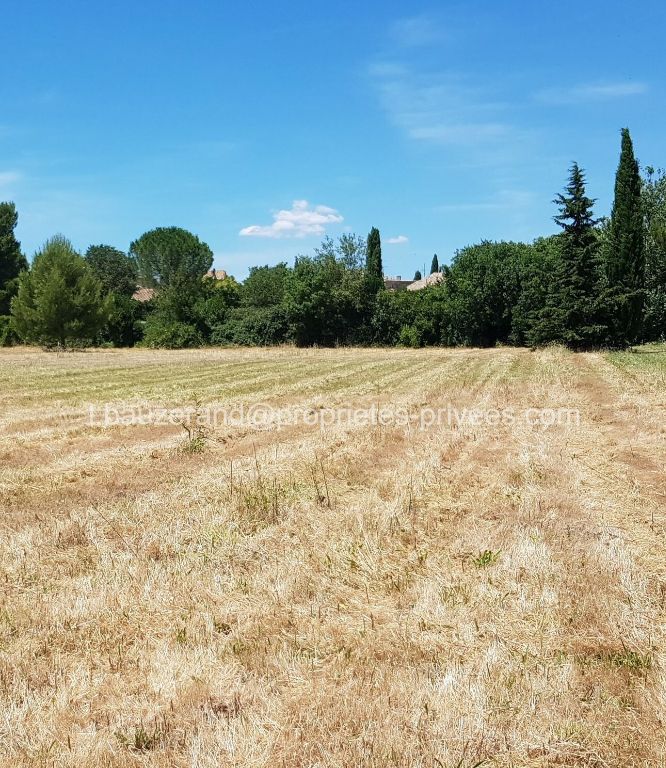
[353,594]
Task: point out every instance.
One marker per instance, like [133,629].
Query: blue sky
[261,126]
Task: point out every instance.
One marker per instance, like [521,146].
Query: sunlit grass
[359,594]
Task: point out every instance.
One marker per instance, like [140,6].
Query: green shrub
[160,334]
[409,337]
[7,336]
[252,326]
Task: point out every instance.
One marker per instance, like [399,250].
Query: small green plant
[141,740]
[631,660]
[486,558]
[198,431]
[259,503]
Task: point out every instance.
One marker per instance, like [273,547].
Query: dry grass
[352,596]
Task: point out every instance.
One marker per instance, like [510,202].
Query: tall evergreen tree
[374,271]
[625,256]
[59,300]
[417,275]
[572,311]
[12,261]
[434,265]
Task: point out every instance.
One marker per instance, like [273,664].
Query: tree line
[597,283]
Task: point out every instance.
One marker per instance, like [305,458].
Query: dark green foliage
[393,312]
[12,261]
[418,275]
[59,300]
[264,286]
[625,255]
[434,265]
[253,326]
[410,318]
[374,270]
[169,254]
[482,288]
[174,319]
[6,331]
[214,301]
[187,310]
[161,333]
[124,321]
[117,272]
[324,300]
[260,319]
[535,265]
[572,313]
[654,209]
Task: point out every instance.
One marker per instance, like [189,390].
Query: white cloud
[399,240]
[439,108]
[301,220]
[578,94]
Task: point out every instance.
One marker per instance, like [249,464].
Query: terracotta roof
[419,285]
[143,294]
[146,294]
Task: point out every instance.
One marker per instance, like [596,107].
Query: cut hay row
[357,595]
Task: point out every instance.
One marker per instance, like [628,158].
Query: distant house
[143,295]
[216,274]
[426,282]
[396,283]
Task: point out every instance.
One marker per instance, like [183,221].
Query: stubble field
[481,584]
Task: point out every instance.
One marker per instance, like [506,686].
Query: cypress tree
[417,275]
[625,256]
[12,261]
[374,271]
[434,265]
[571,314]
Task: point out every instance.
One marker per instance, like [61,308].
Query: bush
[7,336]
[409,337]
[410,318]
[160,334]
[655,315]
[253,326]
[123,325]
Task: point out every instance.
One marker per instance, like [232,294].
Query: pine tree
[12,261]
[625,256]
[417,275]
[374,272]
[572,313]
[434,265]
[59,300]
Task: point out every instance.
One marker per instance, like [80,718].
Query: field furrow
[478,578]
